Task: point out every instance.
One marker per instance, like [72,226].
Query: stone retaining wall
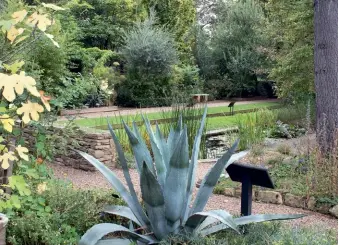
[99,145]
[287,199]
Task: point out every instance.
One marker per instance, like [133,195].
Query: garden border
[281,198]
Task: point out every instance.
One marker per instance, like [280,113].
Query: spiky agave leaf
[119,187]
[160,165]
[154,202]
[193,166]
[176,183]
[222,216]
[249,219]
[122,211]
[173,136]
[211,180]
[162,145]
[127,176]
[97,232]
[141,153]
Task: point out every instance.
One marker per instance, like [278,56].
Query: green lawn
[213,123]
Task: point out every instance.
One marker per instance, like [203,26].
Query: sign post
[231,106]
[248,175]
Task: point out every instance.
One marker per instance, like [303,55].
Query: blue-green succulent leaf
[160,165]
[173,136]
[122,211]
[119,187]
[115,241]
[176,183]
[211,180]
[141,153]
[161,141]
[193,165]
[250,219]
[195,220]
[154,202]
[96,232]
[256,218]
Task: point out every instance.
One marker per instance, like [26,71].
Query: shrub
[150,55]
[69,214]
[186,80]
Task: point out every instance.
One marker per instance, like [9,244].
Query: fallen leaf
[30,111]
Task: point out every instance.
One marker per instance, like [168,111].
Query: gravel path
[89,180]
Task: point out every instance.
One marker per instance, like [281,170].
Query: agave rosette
[167,180]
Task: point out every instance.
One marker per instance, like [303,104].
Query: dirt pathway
[90,180]
[132,111]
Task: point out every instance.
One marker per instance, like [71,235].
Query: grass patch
[95,122]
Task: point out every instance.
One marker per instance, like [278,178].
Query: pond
[217,145]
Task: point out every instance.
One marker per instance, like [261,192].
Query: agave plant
[167,180]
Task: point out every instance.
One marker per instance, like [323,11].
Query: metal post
[246,196]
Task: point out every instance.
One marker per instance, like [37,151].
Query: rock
[229,192]
[323,208]
[311,203]
[59,160]
[334,211]
[101,147]
[237,193]
[98,153]
[294,201]
[269,197]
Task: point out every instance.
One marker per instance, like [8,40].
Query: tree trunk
[326,72]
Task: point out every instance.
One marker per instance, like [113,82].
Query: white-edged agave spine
[167,183]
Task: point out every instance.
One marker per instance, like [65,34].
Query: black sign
[248,175]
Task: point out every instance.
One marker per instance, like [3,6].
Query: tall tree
[326,71]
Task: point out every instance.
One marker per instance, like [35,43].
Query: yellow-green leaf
[30,111]
[7,122]
[15,67]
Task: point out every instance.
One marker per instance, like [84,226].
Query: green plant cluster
[58,215]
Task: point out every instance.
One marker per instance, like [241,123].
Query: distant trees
[150,55]
[291,43]
[230,56]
